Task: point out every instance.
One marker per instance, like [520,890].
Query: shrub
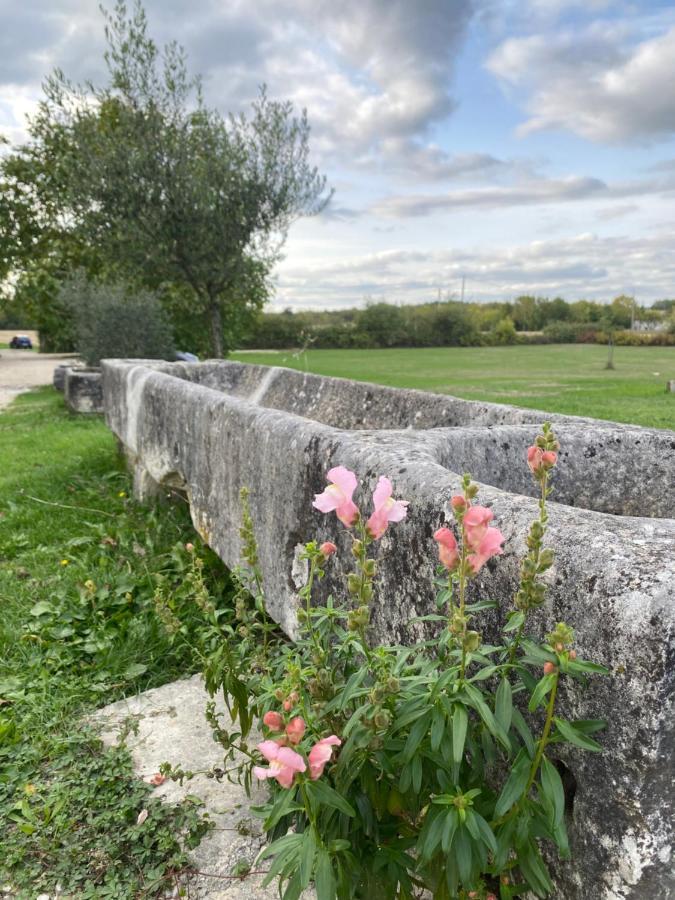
[570,333]
[400,769]
[113,323]
[505,331]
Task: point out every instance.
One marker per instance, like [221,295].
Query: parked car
[21,342]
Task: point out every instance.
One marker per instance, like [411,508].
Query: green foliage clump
[397,771]
[79,629]
[112,322]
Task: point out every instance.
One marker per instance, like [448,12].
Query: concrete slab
[172,728]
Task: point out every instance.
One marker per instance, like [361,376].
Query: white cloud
[536,191]
[367,70]
[584,265]
[596,82]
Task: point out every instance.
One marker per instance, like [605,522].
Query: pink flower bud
[328,548]
[157,779]
[534,458]
[189,547]
[273,720]
[295,729]
[288,706]
[550,668]
[458,502]
[448,552]
[549,459]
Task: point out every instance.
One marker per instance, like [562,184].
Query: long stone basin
[210,428]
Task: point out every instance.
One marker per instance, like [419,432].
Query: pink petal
[377,523]
[285,777]
[261,773]
[269,749]
[347,513]
[478,516]
[328,500]
[382,492]
[344,479]
[289,759]
[398,511]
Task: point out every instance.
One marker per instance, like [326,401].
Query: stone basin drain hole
[569,784]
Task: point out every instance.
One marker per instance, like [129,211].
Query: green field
[564,378]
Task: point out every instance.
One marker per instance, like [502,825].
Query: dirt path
[21,370]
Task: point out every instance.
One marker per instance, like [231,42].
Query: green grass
[79,572]
[563,378]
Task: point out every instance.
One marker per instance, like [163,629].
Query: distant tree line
[526,319]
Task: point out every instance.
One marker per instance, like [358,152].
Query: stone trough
[208,429]
[82,388]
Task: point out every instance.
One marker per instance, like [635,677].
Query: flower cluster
[479,540]
[338,497]
[284,762]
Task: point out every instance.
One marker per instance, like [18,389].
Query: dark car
[21,342]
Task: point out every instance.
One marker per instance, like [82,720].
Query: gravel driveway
[21,370]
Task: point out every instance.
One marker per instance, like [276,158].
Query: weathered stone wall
[212,428]
[83,389]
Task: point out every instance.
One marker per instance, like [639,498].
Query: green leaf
[134,670]
[579,666]
[417,732]
[523,729]
[515,784]
[504,704]
[324,879]
[484,673]
[532,866]
[437,728]
[480,605]
[431,836]
[307,853]
[544,687]
[449,829]
[486,715]
[462,848]
[283,806]
[538,654]
[460,721]
[327,796]
[41,608]
[552,787]
[570,733]
[486,833]
[515,621]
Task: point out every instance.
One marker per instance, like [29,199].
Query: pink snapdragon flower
[327,549]
[320,754]
[386,509]
[490,545]
[284,763]
[273,720]
[448,551]
[476,525]
[338,496]
[295,729]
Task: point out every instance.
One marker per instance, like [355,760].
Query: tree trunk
[610,353]
[216,323]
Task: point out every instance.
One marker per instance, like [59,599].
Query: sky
[507,146]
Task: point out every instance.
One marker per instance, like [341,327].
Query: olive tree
[171,191]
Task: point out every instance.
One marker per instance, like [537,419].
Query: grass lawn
[564,378]
[78,585]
